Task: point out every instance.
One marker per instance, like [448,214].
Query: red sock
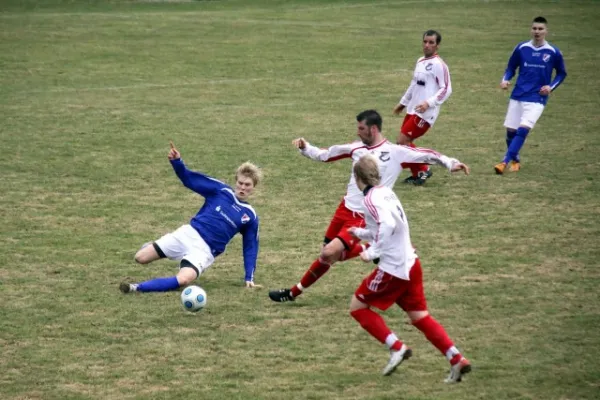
[317,269]
[436,334]
[354,251]
[375,325]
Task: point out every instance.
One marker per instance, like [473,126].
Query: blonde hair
[251,171]
[367,170]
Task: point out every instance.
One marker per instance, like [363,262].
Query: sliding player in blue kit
[535,59]
[224,214]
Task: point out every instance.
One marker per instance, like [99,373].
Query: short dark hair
[540,20]
[431,32]
[371,117]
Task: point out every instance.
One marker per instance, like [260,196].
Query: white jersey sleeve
[363,234]
[405,154]
[333,153]
[384,228]
[407,97]
[442,77]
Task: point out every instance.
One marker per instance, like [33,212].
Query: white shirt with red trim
[387,231]
[431,82]
[389,157]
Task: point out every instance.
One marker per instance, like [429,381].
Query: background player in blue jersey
[535,60]
[225,213]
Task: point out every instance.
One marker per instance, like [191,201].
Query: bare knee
[331,253]
[186,276]
[146,255]
[417,315]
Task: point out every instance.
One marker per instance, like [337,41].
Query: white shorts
[522,113]
[186,244]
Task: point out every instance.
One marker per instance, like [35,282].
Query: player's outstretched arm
[196,181]
[333,153]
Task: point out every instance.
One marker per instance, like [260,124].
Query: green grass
[91,93]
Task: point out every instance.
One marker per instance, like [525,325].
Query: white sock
[451,352]
[391,339]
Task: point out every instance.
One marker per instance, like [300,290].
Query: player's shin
[516,144]
[436,334]
[376,326]
[317,269]
[159,285]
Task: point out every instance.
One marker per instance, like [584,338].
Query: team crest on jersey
[428,67]
[245,218]
[546,57]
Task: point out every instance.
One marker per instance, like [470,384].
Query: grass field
[92,91]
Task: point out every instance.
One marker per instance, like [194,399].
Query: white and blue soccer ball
[193,298]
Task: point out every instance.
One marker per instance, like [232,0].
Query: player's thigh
[380,289]
[176,244]
[349,241]
[198,254]
[531,113]
[513,114]
[414,126]
[413,298]
[339,220]
[148,254]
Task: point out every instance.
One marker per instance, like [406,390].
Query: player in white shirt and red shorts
[428,89]
[398,277]
[339,245]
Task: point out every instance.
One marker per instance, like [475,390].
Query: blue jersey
[535,70]
[222,216]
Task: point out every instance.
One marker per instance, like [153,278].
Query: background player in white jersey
[224,214]
[398,278]
[428,89]
[535,59]
[339,245]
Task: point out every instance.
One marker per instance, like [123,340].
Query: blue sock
[159,285]
[516,144]
[510,135]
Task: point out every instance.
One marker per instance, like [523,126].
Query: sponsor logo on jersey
[526,64]
[245,218]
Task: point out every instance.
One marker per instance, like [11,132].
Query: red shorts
[414,126]
[381,290]
[342,220]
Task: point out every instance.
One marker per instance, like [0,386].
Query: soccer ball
[193,298]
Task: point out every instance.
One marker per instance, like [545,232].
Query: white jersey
[389,157]
[431,83]
[387,231]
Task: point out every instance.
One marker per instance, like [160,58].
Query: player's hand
[422,107]
[463,167]
[299,143]
[504,85]
[364,257]
[173,152]
[352,231]
[398,109]
[545,90]
[250,284]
